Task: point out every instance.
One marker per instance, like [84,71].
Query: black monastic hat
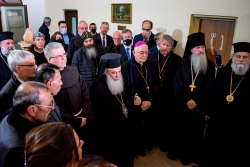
[6,35]
[175,43]
[86,35]
[241,47]
[195,39]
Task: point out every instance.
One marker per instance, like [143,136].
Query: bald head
[117,37]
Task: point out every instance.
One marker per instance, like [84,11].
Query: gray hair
[157,35]
[167,38]
[46,19]
[49,47]
[28,93]
[17,57]
[37,34]
[127,30]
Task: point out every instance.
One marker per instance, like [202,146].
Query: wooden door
[218,37]
[71,18]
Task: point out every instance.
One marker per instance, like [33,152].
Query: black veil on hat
[195,39]
[6,35]
[175,43]
[241,47]
[108,60]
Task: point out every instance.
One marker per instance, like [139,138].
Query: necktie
[128,55]
[103,42]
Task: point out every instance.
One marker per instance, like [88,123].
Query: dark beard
[91,51]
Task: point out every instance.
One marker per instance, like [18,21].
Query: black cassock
[112,134]
[230,121]
[190,124]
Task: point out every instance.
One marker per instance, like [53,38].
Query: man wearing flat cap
[230,106]
[112,110]
[192,89]
[86,59]
[6,45]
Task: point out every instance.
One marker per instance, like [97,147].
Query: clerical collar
[21,81]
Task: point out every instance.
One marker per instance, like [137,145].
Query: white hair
[116,86]
[199,62]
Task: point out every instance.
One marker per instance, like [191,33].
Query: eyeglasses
[143,29]
[83,28]
[142,53]
[28,65]
[51,105]
[60,56]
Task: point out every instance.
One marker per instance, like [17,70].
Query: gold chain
[231,82]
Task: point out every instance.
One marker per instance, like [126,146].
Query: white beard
[91,52]
[6,52]
[115,86]
[239,68]
[199,62]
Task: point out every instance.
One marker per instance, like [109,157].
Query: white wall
[174,15]
[36,13]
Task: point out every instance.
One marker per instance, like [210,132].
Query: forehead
[63,25]
[7,41]
[29,59]
[127,34]
[39,38]
[165,42]
[117,34]
[146,24]
[115,69]
[83,24]
[142,48]
[92,25]
[239,54]
[104,25]
[45,96]
[58,51]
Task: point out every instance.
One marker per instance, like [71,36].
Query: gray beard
[239,68]
[199,62]
[6,52]
[91,52]
[115,86]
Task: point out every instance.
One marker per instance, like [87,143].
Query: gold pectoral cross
[192,86]
[148,88]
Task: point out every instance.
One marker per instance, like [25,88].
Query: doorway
[71,18]
[219,34]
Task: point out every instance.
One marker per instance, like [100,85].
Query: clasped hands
[144,104]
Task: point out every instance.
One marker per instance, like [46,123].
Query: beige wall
[174,15]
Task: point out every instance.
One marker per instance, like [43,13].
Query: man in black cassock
[113,103]
[73,99]
[230,123]
[139,72]
[166,64]
[6,46]
[192,86]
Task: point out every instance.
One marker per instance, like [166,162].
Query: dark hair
[151,23]
[92,24]
[45,72]
[93,161]
[50,145]
[54,37]
[60,22]
[28,93]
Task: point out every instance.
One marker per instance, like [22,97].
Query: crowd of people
[92,99]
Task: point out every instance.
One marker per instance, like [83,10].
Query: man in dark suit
[157,47]
[45,30]
[62,27]
[126,48]
[117,38]
[102,38]
[146,35]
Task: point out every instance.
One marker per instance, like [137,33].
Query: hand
[84,121]
[191,104]
[145,36]
[206,117]
[137,100]
[145,105]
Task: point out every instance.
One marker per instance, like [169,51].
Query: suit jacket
[151,43]
[121,50]
[153,49]
[98,40]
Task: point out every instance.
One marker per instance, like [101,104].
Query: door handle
[221,43]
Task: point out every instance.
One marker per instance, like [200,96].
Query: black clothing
[7,94]
[74,44]
[45,30]
[69,34]
[14,127]
[121,50]
[112,138]
[39,57]
[166,67]
[98,40]
[5,73]
[87,67]
[151,42]
[190,124]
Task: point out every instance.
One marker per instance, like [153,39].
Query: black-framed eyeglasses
[60,56]
[51,105]
[143,29]
[28,65]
